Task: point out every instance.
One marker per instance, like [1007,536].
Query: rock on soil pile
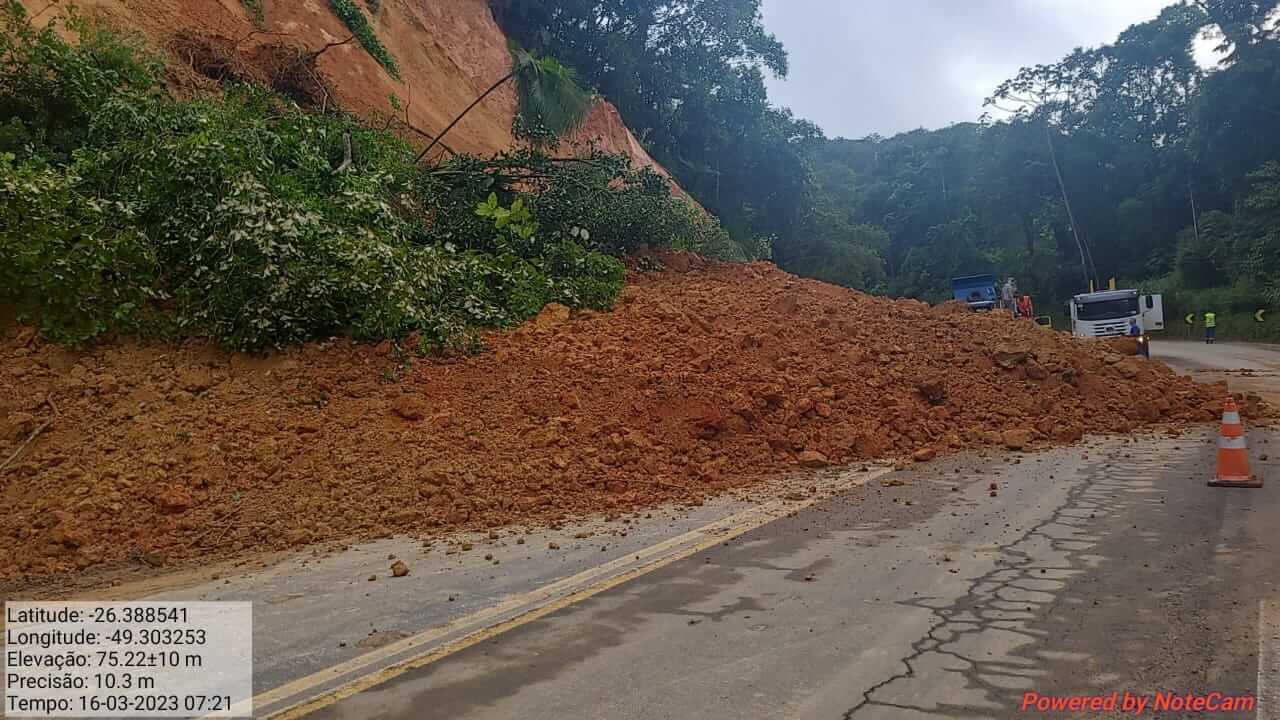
[703,378]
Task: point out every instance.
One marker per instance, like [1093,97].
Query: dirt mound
[699,381]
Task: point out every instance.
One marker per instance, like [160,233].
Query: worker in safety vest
[1210,327]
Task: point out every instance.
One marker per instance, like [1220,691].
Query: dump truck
[976,291]
[1107,313]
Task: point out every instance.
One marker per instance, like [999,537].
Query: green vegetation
[246,219]
[351,14]
[689,80]
[1126,160]
[549,100]
[255,10]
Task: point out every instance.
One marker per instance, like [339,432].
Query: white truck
[1107,313]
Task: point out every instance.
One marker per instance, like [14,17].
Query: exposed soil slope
[700,380]
[448,52]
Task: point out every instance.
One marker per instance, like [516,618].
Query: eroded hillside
[448,54]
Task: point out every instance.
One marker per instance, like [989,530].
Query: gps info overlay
[134,659]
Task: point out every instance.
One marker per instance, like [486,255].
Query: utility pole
[1075,232]
[1195,219]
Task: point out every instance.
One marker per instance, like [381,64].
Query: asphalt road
[949,590]
[1247,367]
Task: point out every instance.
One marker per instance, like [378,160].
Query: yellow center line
[486,623]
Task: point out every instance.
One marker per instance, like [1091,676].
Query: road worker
[1007,295]
[1025,308]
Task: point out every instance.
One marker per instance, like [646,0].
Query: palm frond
[549,93]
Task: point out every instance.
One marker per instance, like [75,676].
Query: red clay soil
[703,378]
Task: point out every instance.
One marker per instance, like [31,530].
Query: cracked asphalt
[946,590]
[1106,567]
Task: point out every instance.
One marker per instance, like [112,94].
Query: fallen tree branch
[324,88]
[429,136]
[244,39]
[34,434]
[309,57]
[224,524]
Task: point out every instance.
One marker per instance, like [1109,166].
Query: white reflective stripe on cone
[1230,418]
[1232,443]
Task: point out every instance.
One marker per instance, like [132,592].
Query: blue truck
[976,291]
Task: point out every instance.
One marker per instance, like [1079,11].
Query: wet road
[1109,567]
[1248,367]
[946,590]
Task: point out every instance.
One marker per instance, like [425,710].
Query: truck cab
[1107,313]
[976,291]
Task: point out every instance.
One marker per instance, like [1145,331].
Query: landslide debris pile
[703,378]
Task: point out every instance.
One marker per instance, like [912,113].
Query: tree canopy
[689,79]
[1127,160]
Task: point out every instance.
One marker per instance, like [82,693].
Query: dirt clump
[699,381]
[1018,438]
[933,391]
[813,459]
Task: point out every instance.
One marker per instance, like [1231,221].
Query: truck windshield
[975,293]
[1107,309]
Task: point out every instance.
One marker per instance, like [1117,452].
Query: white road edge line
[1268,660]
[650,558]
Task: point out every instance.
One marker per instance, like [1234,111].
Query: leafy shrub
[621,207]
[78,261]
[353,17]
[534,132]
[245,219]
[52,110]
[563,270]
[581,277]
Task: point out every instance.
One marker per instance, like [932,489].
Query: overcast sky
[886,66]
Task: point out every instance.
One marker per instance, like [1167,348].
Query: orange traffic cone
[1233,452]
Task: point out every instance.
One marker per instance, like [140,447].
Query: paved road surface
[913,594]
[1109,567]
[1247,367]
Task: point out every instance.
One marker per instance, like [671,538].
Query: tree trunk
[1057,171]
[1028,232]
[470,107]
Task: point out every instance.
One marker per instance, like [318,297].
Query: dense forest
[1127,160]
